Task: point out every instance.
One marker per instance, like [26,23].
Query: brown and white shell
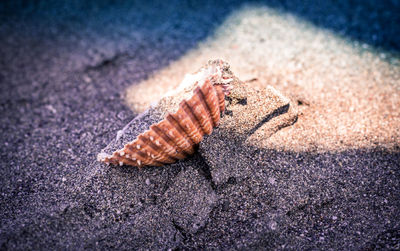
[176,136]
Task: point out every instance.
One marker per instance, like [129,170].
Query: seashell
[175,137]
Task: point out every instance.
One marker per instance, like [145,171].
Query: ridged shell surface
[175,136]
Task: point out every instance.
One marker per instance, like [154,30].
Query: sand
[72,74]
[349,93]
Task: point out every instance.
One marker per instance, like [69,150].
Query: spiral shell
[175,136]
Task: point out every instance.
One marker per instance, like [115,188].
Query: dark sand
[71,76]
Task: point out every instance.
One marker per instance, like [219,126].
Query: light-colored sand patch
[349,95]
